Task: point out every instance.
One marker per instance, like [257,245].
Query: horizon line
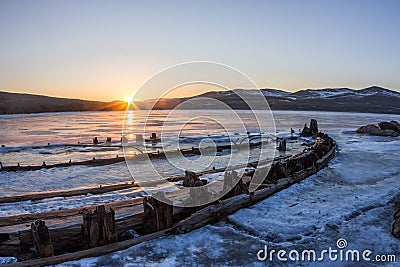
[264,88]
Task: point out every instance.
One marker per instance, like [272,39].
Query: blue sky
[106,49]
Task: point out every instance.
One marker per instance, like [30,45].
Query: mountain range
[15,103]
[373,99]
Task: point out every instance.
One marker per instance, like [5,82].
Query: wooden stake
[282,145]
[157,215]
[98,228]
[41,239]
[192,180]
[237,187]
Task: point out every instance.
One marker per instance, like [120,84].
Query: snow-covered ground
[352,198]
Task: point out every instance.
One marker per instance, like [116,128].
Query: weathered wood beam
[114,187]
[98,227]
[216,211]
[41,239]
[61,214]
[93,252]
[157,215]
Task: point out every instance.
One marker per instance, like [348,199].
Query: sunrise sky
[104,50]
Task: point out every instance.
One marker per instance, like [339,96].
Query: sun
[129,99]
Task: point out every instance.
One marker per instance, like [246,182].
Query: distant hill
[373,99]
[12,103]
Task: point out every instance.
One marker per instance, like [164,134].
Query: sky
[106,50]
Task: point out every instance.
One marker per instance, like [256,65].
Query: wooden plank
[69,193]
[94,252]
[114,187]
[212,213]
[95,162]
[222,209]
[66,236]
[59,214]
[108,161]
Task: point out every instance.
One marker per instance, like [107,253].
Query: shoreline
[10,115]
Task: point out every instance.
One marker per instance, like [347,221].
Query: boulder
[396,225]
[396,124]
[367,129]
[375,130]
[393,125]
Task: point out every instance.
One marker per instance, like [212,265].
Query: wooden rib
[68,193]
[114,187]
[25,218]
[101,162]
[91,252]
[198,219]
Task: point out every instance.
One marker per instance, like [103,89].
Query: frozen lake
[353,198]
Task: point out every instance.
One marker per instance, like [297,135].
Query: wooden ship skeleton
[54,237]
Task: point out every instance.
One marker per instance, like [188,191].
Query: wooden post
[157,215]
[139,138]
[41,239]
[314,127]
[191,180]
[199,195]
[282,145]
[231,180]
[98,228]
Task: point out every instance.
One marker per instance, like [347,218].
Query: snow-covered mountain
[323,93]
[373,99]
[345,92]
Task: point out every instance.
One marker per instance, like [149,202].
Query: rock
[393,125]
[375,130]
[396,124]
[367,129]
[129,234]
[396,225]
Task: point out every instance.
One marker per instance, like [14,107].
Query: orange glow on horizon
[129,99]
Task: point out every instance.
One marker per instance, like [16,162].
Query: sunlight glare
[129,99]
